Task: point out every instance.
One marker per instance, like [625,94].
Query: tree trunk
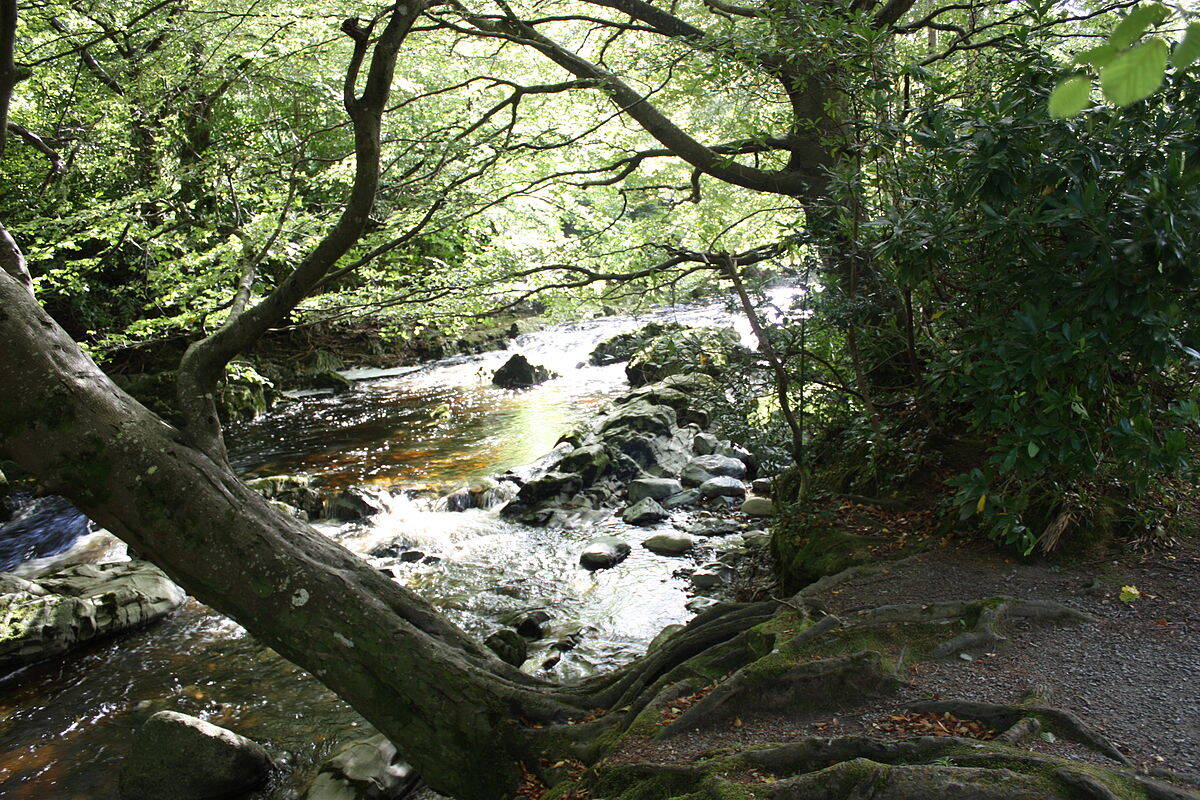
[450,706]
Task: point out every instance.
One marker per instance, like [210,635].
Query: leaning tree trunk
[450,706]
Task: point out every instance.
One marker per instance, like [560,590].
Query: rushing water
[65,724]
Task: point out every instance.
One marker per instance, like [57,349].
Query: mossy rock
[703,350]
[808,546]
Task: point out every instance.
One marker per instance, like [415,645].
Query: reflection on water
[64,725]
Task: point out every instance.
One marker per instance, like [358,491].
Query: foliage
[1131,64]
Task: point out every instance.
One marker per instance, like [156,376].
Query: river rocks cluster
[309,501]
[71,607]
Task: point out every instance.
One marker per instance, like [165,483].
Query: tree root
[1062,723]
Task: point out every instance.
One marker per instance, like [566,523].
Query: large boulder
[695,349]
[590,462]
[702,468]
[656,488]
[722,486]
[622,346]
[604,552]
[518,373]
[646,511]
[645,452]
[77,605]
[368,769]
[549,486]
[177,757]
[641,416]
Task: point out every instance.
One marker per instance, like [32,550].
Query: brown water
[65,725]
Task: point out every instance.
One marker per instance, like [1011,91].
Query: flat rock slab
[79,604]
[604,552]
[177,757]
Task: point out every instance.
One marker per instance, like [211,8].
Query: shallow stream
[65,724]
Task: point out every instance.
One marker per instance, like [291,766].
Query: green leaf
[1135,24]
[1098,57]
[1033,449]
[1188,51]
[1136,73]
[1070,96]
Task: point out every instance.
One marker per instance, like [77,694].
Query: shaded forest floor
[1133,674]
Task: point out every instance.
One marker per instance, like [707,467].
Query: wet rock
[641,416]
[714,526]
[388,550]
[518,373]
[694,349]
[698,604]
[533,624]
[604,552]
[758,507]
[296,491]
[757,539]
[549,486]
[656,488]
[590,462]
[177,757]
[705,444]
[552,662]
[331,380]
[723,486]
[761,487]
[701,468]
[689,497]
[735,451]
[459,500]
[675,543]
[654,454]
[705,579]
[80,604]
[646,511]
[351,504]
[411,556]
[369,769]
[509,645]
[621,347]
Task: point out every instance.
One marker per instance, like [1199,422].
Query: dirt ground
[1133,674]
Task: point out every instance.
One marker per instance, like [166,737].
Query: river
[66,724]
